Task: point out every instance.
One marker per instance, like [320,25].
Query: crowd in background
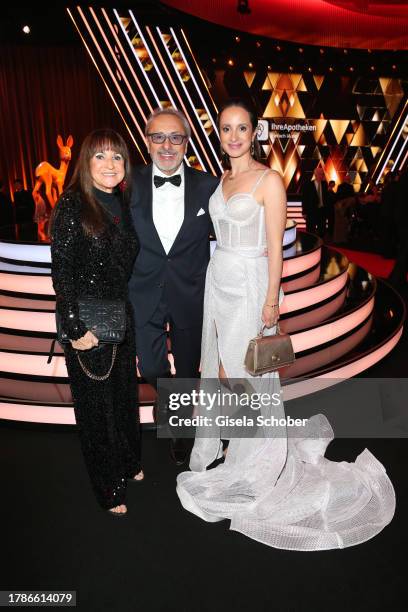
[18,220]
[374,219]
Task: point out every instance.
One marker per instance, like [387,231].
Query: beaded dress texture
[276,489]
[106,411]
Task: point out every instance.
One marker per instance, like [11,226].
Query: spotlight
[26,29]
[250,65]
[237,39]
[230,62]
[243,7]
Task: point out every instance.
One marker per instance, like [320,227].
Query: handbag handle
[263,327]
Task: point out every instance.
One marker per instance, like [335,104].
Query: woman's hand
[270,315]
[86,342]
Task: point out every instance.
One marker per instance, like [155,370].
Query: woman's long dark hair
[93,216]
[257,154]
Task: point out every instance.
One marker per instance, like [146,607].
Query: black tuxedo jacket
[310,198]
[179,276]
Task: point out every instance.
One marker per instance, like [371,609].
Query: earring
[224,155]
[252,148]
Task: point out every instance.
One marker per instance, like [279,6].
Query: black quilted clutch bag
[106,319]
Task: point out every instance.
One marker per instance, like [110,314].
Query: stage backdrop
[342,116]
[342,121]
[46,91]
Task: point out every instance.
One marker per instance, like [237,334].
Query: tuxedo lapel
[146,202]
[189,209]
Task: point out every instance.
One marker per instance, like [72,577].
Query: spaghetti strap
[258,182]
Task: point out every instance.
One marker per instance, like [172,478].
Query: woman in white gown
[278,490]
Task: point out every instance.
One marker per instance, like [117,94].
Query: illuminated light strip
[382,152]
[106,85]
[57,415]
[115,59]
[28,321]
[24,252]
[7,267]
[306,280]
[189,98]
[137,58]
[403,161]
[152,59]
[181,101]
[392,149]
[314,295]
[399,154]
[199,70]
[102,55]
[139,85]
[289,235]
[301,263]
[163,83]
[195,82]
[26,283]
[395,142]
[311,338]
[318,383]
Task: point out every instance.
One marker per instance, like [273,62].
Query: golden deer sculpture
[53,178]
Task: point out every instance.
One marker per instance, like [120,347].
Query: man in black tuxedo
[314,202]
[170,212]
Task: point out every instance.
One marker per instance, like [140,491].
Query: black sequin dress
[106,411]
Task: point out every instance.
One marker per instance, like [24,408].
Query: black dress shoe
[178,451]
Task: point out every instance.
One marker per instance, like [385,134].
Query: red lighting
[324,23]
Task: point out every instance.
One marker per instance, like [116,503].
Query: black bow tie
[160,180]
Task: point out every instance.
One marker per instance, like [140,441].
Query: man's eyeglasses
[160,138]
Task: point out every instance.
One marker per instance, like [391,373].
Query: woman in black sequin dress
[93,249]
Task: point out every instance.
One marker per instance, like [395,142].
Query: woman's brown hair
[93,216]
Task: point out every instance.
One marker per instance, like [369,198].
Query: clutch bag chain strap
[103,376]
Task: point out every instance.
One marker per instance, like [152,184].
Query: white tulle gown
[277,490]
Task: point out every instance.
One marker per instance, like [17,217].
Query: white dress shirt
[168,208]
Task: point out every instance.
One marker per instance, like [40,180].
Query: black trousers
[152,349]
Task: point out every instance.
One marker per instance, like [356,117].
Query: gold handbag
[268,353]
